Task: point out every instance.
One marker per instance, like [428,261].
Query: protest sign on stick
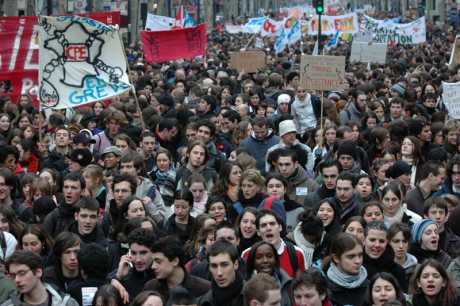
[322,72]
[451,98]
[455,54]
[81,61]
[250,61]
[368,52]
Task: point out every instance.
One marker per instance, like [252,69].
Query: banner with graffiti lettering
[81,61]
[396,33]
[332,24]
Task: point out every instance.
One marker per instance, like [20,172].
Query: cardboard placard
[368,52]
[322,72]
[249,61]
[451,98]
[455,55]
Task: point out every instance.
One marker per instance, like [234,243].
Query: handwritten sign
[368,52]
[399,33]
[249,61]
[322,72]
[455,55]
[451,98]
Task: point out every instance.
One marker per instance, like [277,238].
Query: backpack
[292,255]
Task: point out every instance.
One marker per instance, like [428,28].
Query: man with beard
[355,110]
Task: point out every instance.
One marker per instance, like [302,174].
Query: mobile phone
[130,264]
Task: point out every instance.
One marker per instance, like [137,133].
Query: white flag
[81,61]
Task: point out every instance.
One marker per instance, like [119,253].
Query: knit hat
[83,157]
[397,169]
[283,98]
[418,228]
[287,126]
[347,147]
[111,149]
[275,205]
[399,88]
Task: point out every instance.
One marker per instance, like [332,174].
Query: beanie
[283,98]
[287,126]
[275,205]
[399,88]
[397,169]
[347,147]
[418,228]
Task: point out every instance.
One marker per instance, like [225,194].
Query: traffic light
[319,6]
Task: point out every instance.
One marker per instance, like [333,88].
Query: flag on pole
[188,21]
[80,61]
[334,41]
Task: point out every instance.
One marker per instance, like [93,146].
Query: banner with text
[81,61]
[170,45]
[396,33]
[332,24]
[451,98]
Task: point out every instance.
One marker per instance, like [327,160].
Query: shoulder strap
[292,255]
[3,245]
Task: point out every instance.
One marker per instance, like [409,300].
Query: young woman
[308,234]
[355,226]
[228,185]
[328,213]
[425,242]
[33,238]
[181,222]
[197,185]
[263,258]
[276,185]
[9,222]
[251,193]
[309,288]
[346,275]
[215,207]
[107,295]
[372,211]
[147,298]
[378,255]
[365,187]
[411,153]
[246,225]
[197,247]
[399,238]
[393,208]
[95,188]
[431,285]
[164,175]
[384,288]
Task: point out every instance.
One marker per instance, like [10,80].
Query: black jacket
[346,296]
[135,281]
[59,220]
[385,263]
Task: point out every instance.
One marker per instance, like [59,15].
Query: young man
[93,260]
[269,227]
[85,225]
[148,150]
[133,164]
[345,196]
[262,290]
[431,176]
[436,210]
[206,132]
[299,184]
[135,268]
[261,139]
[227,285]
[354,110]
[452,183]
[329,170]
[168,266]
[25,268]
[61,218]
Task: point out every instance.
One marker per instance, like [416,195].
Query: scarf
[224,296]
[396,218]
[346,280]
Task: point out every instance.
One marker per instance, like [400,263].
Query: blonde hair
[254,176]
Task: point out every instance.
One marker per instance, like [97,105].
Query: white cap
[284,98]
[287,126]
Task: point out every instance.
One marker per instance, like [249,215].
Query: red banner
[170,45]
[19,52]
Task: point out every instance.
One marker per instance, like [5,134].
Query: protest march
[303,156]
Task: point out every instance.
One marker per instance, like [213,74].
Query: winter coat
[258,148]
[350,113]
[59,219]
[344,296]
[385,263]
[57,299]
[300,112]
[299,185]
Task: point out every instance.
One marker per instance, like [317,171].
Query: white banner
[158,23]
[399,33]
[332,24]
[451,98]
[81,61]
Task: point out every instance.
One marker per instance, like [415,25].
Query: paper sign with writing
[451,98]
[81,61]
[368,52]
[249,61]
[322,72]
[331,24]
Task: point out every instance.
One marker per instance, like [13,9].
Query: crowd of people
[210,186]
